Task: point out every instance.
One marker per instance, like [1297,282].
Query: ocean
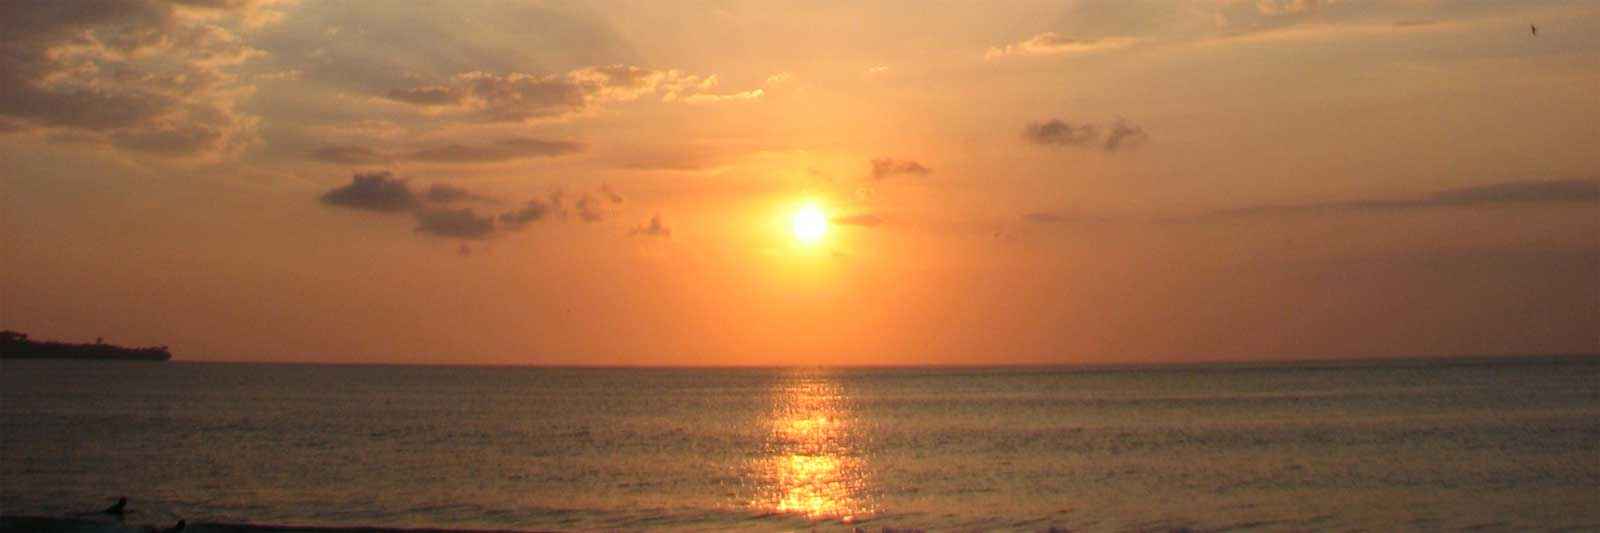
[1509,444]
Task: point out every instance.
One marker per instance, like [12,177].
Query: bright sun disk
[809,224]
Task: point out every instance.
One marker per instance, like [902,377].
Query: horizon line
[938,365]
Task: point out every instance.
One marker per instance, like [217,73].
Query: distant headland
[15,345]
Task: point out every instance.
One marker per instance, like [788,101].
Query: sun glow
[809,224]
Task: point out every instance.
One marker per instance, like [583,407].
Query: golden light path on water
[810,468]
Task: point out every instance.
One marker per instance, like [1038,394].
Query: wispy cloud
[504,150]
[709,98]
[654,228]
[1573,192]
[151,77]
[443,193]
[373,191]
[533,211]
[520,96]
[381,192]
[460,223]
[348,155]
[1274,8]
[1117,135]
[884,167]
[1053,44]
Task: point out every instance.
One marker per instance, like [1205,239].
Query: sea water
[1502,444]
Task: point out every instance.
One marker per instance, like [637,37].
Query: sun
[809,224]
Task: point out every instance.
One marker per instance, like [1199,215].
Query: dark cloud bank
[382,192]
[1574,192]
[134,74]
[1117,135]
[503,150]
[655,228]
[884,167]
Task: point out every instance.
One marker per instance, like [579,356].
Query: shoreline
[67,524]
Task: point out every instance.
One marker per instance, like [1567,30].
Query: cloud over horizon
[381,192]
[504,150]
[884,167]
[1118,134]
[520,97]
[1053,44]
[1571,192]
[373,191]
[453,153]
[461,223]
[654,228]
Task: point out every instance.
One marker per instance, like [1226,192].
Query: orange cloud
[1050,43]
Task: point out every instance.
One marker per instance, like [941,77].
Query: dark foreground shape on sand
[117,508]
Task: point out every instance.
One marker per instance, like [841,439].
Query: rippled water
[1503,444]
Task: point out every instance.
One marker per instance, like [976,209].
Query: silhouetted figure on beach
[117,508]
[1534,30]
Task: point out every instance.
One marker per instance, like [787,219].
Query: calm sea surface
[1508,444]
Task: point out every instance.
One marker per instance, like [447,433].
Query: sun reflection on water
[811,467]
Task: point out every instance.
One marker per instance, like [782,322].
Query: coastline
[49,524]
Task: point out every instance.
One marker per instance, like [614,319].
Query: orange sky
[515,182]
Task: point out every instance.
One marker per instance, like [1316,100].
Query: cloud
[381,192]
[1550,191]
[518,96]
[781,78]
[441,193]
[708,98]
[534,211]
[866,219]
[171,139]
[373,191]
[505,150]
[426,95]
[884,167]
[348,155]
[501,98]
[1576,192]
[670,158]
[141,75]
[461,223]
[589,208]
[1060,132]
[655,228]
[1119,134]
[1050,43]
[610,194]
[1273,8]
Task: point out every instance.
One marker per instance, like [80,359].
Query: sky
[619,182]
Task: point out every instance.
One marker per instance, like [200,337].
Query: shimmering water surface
[1506,444]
